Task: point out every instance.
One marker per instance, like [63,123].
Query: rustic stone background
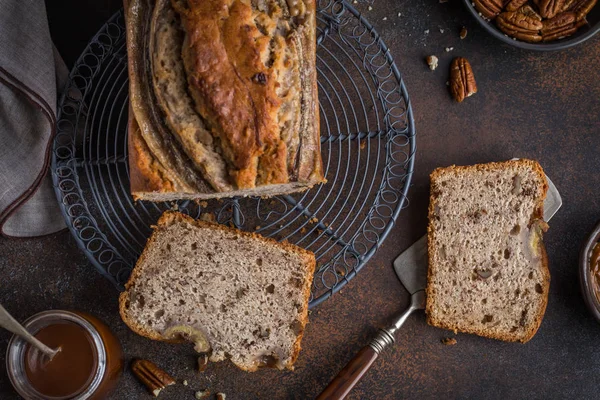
[539,105]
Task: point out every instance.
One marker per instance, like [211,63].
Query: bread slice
[488,270]
[235,294]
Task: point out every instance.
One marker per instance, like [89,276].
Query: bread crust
[537,215]
[170,217]
[169,175]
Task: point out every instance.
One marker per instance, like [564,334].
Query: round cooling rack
[367,144]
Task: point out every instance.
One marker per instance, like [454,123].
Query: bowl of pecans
[538,24]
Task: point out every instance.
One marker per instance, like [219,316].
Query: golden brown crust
[169,217]
[216,83]
[145,173]
[537,214]
[237,91]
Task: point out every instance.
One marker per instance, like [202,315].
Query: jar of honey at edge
[87,366]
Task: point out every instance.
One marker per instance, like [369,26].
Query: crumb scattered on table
[448,341]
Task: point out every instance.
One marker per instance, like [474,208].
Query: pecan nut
[530,12]
[462,80]
[488,8]
[520,26]
[154,378]
[549,8]
[563,25]
[581,8]
[514,5]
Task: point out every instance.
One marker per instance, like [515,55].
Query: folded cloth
[30,70]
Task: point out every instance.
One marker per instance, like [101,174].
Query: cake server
[411,269]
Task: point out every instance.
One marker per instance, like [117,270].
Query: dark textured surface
[542,106]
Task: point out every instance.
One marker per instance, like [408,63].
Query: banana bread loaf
[223,96]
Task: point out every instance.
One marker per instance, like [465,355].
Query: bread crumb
[370,8]
[463,32]
[208,217]
[432,61]
[202,394]
[426,31]
[441,30]
[313,220]
[449,49]
[448,341]
[363,144]
[303,231]
[257,227]
[202,204]
[385,18]
[221,396]
[185,383]
[202,362]
[399,14]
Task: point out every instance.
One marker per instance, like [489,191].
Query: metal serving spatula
[411,268]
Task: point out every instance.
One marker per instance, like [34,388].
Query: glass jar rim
[15,355]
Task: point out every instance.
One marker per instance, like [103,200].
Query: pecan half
[520,26]
[488,8]
[581,8]
[462,80]
[561,26]
[549,8]
[154,378]
[514,5]
[530,12]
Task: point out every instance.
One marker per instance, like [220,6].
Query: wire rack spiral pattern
[367,139]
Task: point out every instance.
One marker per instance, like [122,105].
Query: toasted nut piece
[582,7]
[530,12]
[221,396]
[561,26]
[549,8]
[565,32]
[449,341]
[519,22]
[463,32]
[432,61]
[488,8]
[462,80]
[520,26]
[202,362]
[514,5]
[201,344]
[154,378]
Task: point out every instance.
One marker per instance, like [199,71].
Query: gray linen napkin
[30,71]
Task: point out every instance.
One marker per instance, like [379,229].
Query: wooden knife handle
[341,385]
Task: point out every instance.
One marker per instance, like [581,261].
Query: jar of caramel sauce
[87,366]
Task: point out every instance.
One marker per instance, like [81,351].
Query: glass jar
[88,346]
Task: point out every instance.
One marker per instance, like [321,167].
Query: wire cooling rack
[367,139]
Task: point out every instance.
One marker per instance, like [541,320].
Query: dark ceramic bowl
[583,34]
[585,274]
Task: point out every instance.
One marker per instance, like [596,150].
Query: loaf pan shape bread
[235,294]
[223,95]
[488,270]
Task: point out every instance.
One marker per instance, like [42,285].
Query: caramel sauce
[595,269]
[71,370]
